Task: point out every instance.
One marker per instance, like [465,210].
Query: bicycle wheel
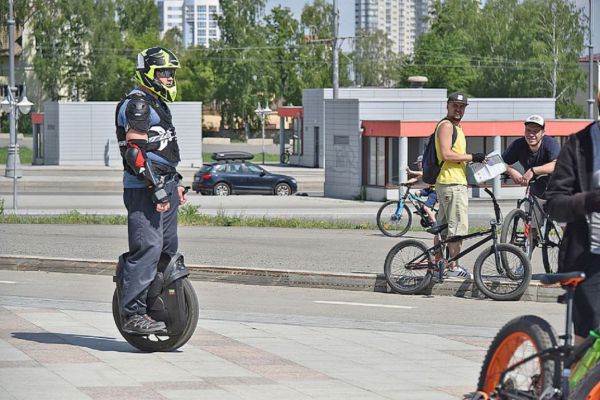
[390,222]
[515,231]
[518,339]
[552,238]
[407,267]
[589,387]
[505,276]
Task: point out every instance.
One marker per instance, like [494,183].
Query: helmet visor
[165,73]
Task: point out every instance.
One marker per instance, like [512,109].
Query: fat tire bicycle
[501,272]
[517,225]
[394,217]
[525,360]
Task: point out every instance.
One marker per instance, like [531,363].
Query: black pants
[150,233]
[586,304]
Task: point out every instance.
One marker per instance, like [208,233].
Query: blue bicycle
[394,217]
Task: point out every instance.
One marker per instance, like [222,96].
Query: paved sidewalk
[62,353]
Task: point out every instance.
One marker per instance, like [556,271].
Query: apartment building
[196,19]
[402,20]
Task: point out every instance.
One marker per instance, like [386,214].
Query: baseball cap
[457,97]
[418,160]
[536,119]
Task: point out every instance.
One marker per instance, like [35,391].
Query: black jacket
[566,196]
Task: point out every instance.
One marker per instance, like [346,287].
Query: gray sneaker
[143,325]
[458,272]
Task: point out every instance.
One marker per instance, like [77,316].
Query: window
[212,9]
[376,161]
[254,169]
[212,33]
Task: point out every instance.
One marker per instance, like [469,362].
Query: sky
[346,8]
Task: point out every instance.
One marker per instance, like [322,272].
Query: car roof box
[232,155]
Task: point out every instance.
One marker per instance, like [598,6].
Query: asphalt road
[440,315]
[272,248]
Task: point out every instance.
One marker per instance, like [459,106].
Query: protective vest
[162,139]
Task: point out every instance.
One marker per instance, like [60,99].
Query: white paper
[478,173]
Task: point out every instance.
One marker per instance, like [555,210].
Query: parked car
[232,173]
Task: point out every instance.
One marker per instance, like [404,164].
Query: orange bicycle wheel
[520,338]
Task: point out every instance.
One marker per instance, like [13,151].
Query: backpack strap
[454,133]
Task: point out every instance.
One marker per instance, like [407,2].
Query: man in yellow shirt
[451,183]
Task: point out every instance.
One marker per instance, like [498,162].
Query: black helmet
[150,60]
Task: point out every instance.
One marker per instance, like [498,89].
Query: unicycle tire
[163,343]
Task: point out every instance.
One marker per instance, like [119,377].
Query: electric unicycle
[171,299]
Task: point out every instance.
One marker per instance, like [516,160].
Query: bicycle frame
[531,214]
[490,234]
[412,198]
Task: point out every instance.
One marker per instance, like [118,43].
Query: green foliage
[508,48]
[1,206]
[374,59]
[25,155]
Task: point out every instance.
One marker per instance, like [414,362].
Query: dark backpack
[431,168]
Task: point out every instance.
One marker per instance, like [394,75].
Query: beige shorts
[454,209]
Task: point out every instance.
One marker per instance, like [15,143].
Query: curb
[271,277]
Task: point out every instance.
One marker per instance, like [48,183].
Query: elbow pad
[138,115]
[135,155]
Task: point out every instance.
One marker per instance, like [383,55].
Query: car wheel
[221,189]
[283,189]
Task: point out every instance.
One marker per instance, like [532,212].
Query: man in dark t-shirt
[537,153]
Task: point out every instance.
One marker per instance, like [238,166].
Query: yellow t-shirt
[453,172]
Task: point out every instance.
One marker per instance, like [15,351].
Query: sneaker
[519,271]
[458,272]
[143,325]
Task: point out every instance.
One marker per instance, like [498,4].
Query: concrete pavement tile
[152,369]
[4,395]
[472,340]
[214,369]
[20,364]
[37,383]
[11,322]
[93,374]
[67,393]
[420,395]
[9,353]
[200,384]
[122,393]
[211,394]
[251,392]
[470,355]
[238,380]
[458,391]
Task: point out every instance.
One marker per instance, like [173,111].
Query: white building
[170,13]
[401,20]
[196,19]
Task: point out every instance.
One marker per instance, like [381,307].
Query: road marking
[345,303]
[9,282]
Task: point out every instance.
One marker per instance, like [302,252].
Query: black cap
[458,97]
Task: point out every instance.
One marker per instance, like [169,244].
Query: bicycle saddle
[434,230]
[564,278]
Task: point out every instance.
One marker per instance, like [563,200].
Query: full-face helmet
[157,60]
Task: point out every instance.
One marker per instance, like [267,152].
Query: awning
[470,128]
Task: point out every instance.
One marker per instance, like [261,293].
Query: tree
[241,82]
[317,23]
[282,56]
[444,54]
[374,60]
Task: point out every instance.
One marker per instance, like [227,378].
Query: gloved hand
[478,157]
[592,201]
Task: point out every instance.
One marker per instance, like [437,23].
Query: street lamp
[10,105]
[262,113]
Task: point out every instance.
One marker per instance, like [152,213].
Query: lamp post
[262,113]
[12,107]
[591,63]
